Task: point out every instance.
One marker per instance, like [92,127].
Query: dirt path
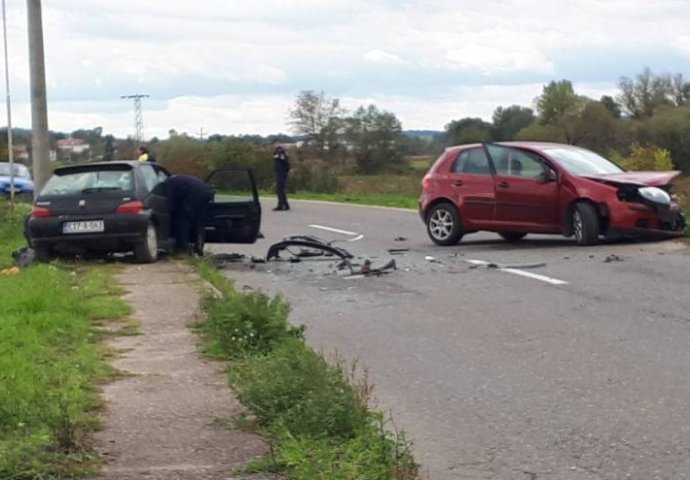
[172,417]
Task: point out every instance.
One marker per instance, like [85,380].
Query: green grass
[382,199]
[315,412]
[49,361]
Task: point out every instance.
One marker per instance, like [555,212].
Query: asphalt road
[579,373]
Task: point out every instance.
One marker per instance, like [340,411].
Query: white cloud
[379,56]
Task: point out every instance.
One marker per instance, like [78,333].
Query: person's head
[143,150]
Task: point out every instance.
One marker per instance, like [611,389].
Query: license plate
[90,226]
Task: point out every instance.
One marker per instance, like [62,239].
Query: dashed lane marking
[522,273]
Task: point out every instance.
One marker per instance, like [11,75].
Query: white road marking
[358,237]
[522,273]
[335,230]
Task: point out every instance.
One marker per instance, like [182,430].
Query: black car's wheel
[200,242]
[443,224]
[585,224]
[147,252]
[512,236]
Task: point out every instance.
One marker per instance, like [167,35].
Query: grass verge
[316,413]
[49,361]
[382,199]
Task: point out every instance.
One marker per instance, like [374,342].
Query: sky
[236,67]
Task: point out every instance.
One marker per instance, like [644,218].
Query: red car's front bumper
[642,219]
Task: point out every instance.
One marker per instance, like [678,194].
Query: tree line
[645,125]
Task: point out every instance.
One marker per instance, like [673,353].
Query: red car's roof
[526,144]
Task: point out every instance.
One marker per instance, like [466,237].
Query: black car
[115,207]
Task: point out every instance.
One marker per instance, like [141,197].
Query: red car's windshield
[579,161]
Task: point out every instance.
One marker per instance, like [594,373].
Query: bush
[311,177]
[239,325]
[293,388]
[648,158]
[373,454]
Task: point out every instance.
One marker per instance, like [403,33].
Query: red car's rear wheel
[443,224]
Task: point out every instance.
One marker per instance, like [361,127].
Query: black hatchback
[115,207]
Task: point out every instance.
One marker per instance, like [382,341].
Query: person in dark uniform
[281,166]
[188,201]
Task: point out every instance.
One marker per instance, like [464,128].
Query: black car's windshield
[80,181]
[579,161]
[19,170]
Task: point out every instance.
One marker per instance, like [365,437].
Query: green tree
[319,119]
[375,138]
[468,130]
[510,120]
[611,105]
[670,129]
[537,132]
[557,100]
[680,90]
[643,95]
[109,148]
[594,127]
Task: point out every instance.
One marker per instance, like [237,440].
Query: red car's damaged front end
[639,203]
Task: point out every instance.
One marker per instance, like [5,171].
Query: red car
[516,188]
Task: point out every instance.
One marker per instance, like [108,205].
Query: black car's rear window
[71,181]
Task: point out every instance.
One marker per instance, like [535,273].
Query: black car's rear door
[234,216]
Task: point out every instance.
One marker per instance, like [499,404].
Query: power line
[138,119]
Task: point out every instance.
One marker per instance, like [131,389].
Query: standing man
[281,165]
[188,200]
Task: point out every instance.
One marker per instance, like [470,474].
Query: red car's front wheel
[585,223]
[443,224]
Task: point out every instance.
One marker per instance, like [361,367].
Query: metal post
[9,107]
[39,103]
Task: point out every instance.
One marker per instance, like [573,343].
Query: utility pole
[39,103]
[138,119]
[201,134]
[10,153]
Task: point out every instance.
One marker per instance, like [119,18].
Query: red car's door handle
[458,183]
[503,184]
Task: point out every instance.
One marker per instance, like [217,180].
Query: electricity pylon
[138,119]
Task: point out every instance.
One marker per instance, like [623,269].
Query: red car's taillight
[426,183]
[131,207]
[40,212]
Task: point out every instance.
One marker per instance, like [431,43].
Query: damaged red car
[516,188]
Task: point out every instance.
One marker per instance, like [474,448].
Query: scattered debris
[398,251]
[367,270]
[9,272]
[613,258]
[310,247]
[400,239]
[220,259]
[24,257]
[431,259]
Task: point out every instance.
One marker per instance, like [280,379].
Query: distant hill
[426,134]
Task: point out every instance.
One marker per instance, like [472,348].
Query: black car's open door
[235,213]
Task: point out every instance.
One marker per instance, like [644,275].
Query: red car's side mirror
[548,176]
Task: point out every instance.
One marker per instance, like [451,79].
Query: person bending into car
[188,199]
